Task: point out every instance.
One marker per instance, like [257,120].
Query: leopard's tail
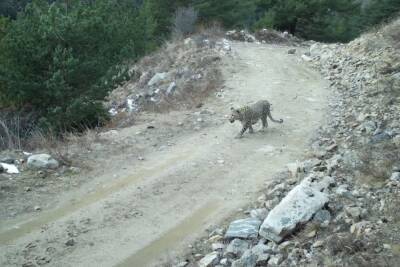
[270,116]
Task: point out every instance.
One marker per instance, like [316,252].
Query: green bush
[56,57]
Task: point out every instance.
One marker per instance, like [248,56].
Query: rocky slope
[346,211]
[180,75]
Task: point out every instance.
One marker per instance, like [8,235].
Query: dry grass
[378,160]
[15,130]
[392,32]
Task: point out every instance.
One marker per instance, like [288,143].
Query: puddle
[6,237]
[149,254]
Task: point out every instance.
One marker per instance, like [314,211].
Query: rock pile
[178,72]
[242,36]
[269,36]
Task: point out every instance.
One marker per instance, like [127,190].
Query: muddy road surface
[133,214]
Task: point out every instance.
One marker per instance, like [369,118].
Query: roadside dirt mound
[180,75]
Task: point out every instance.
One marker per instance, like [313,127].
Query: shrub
[61,60]
[185,21]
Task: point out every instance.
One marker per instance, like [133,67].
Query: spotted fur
[250,115]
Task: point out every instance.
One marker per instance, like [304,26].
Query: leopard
[250,114]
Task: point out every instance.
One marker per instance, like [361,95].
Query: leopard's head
[235,115]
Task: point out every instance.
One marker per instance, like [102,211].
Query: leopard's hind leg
[264,122]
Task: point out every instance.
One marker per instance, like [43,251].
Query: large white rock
[42,161]
[297,207]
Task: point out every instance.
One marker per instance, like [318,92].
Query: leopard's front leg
[244,128]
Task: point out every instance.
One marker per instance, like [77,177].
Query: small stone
[182,264]
[140,158]
[236,248]
[249,259]
[311,234]
[198,256]
[171,88]
[260,214]
[322,217]
[209,260]
[263,253]
[217,246]
[285,245]
[360,227]
[292,51]
[395,177]
[275,260]
[342,190]
[215,238]
[158,78]
[354,212]
[318,243]
[306,58]
[37,208]
[70,243]
[224,262]
[27,189]
[261,199]
[244,228]
[331,148]
[42,260]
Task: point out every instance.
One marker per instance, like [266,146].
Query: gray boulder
[299,206]
[244,228]
[42,161]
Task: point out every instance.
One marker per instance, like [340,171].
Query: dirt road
[152,208]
